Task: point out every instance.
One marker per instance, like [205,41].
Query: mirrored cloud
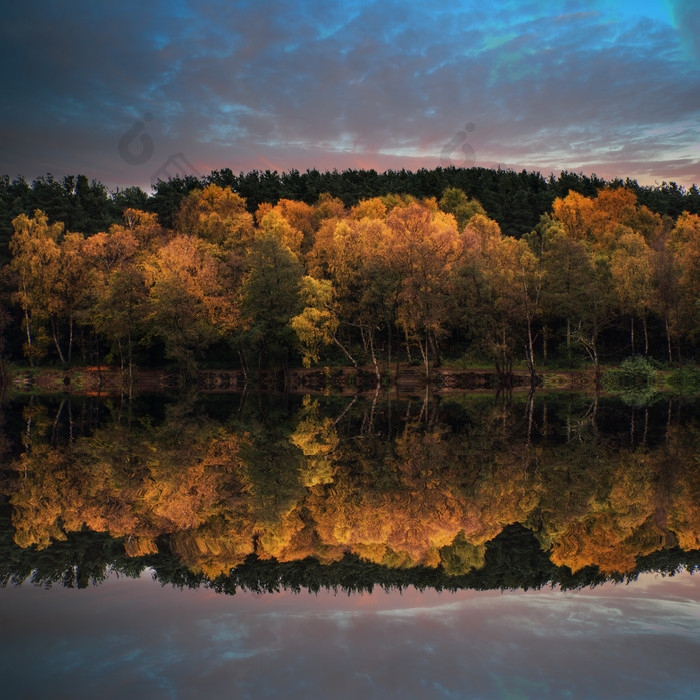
[639,640]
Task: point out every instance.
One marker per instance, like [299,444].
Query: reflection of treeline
[356,276]
[514,560]
[401,484]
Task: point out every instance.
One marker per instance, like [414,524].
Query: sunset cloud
[570,85]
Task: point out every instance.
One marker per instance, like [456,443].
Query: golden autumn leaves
[389,278]
[426,493]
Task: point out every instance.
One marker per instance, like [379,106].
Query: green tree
[270,299]
[454,201]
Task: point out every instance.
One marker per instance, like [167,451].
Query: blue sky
[566,84]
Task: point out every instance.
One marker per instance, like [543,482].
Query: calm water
[468,547]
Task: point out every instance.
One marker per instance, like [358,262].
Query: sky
[136,639]
[128,92]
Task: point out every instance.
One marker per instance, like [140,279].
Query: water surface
[268,546]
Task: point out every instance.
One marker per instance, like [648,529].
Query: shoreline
[110,381]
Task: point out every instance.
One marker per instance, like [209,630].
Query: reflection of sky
[592,85]
[135,639]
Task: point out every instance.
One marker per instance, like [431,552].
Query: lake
[461,546]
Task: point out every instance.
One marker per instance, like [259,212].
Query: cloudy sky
[113,90]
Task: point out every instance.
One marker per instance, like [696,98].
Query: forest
[354,268]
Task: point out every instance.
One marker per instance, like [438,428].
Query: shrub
[633,373]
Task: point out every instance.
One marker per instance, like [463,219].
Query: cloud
[323,84]
[687,20]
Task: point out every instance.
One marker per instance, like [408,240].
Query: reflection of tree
[316,436]
[128,484]
[395,492]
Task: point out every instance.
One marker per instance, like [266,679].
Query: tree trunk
[131,368]
[29,338]
[646,336]
[347,354]
[99,369]
[388,347]
[433,348]
[70,338]
[632,333]
[121,360]
[243,366]
[678,342]
[426,361]
[544,342]
[398,352]
[597,366]
[363,336]
[530,349]
[54,332]
[374,357]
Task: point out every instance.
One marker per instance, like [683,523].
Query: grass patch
[635,380]
[683,381]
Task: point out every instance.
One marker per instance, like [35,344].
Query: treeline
[515,200]
[391,278]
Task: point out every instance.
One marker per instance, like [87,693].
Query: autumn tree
[301,218]
[685,246]
[567,271]
[598,311]
[372,208]
[317,323]
[217,215]
[424,246]
[575,214]
[328,207]
[631,268]
[274,224]
[35,262]
[187,307]
[352,253]
[516,279]
[118,287]
[666,293]
[473,310]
